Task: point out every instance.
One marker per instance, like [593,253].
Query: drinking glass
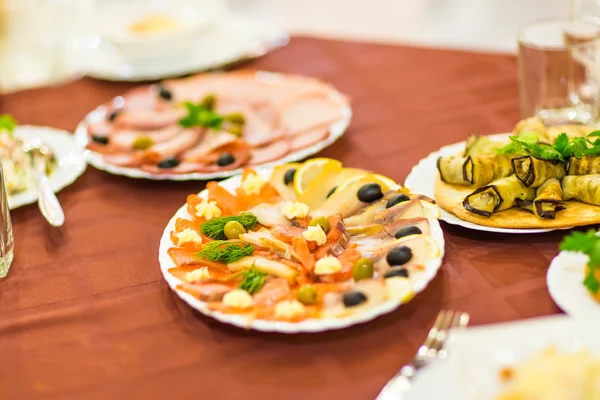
[6,234]
[586,10]
[552,84]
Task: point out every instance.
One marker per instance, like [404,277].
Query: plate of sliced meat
[214,124]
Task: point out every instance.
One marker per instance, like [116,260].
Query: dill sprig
[253,280]
[214,228]
[224,251]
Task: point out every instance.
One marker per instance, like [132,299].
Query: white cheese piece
[294,209]
[316,234]
[208,210]
[237,298]
[188,236]
[197,275]
[253,184]
[328,265]
[289,309]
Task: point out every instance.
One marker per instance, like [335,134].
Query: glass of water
[552,84]
[6,234]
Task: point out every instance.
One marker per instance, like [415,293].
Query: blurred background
[47,41]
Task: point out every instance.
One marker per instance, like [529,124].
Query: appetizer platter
[211,125]
[301,247]
[62,156]
[574,275]
[533,180]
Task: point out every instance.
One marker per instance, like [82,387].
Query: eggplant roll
[534,172]
[478,145]
[475,171]
[497,196]
[584,188]
[549,199]
[586,165]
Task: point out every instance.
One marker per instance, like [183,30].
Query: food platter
[335,129]
[417,283]
[70,160]
[423,176]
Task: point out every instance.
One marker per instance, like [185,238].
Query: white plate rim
[426,186]
[337,130]
[310,325]
[565,285]
[64,175]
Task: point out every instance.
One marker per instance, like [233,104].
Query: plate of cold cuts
[212,125]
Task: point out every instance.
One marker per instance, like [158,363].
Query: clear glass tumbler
[552,84]
[6,233]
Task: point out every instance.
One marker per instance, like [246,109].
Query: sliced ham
[271,152]
[125,138]
[101,128]
[183,168]
[259,129]
[149,119]
[212,141]
[124,159]
[308,112]
[309,138]
[171,148]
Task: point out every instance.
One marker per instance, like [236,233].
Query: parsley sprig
[215,228]
[7,123]
[203,114]
[559,150]
[224,251]
[587,243]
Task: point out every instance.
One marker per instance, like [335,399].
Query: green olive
[236,118]
[363,269]
[233,230]
[209,101]
[323,222]
[142,143]
[236,130]
[307,295]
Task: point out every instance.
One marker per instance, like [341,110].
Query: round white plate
[422,180]
[232,40]
[565,284]
[419,282]
[336,130]
[69,155]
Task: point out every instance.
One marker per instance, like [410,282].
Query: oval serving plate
[309,325]
[69,155]
[421,179]
[336,130]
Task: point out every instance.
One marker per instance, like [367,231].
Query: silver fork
[432,349]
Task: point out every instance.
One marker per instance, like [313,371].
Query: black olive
[332,191]
[352,299]
[100,139]
[399,255]
[396,199]
[165,93]
[370,192]
[113,115]
[170,162]
[403,272]
[289,176]
[408,230]
[225,159]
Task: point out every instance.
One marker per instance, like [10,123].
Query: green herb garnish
[561,149]
[253,280]
[587,243]
[203,114]
[7,123]
[224,251]
[215,228]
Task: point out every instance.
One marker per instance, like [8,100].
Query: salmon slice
[309,138]
[274,290]
[287,233]
[227,202]
[303,253]
[271,152]
[347,259]
[209,292]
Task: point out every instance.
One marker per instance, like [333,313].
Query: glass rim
[522,40]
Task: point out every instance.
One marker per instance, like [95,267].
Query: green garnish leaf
[529,144]
[225,251]
[215,228]
[560,143]
[253,280]
[587,243]
[546,152]
[201,115]
[593,134]
[577,146]
[8,123]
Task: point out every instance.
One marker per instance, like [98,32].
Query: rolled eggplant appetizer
[532,125]
[497,196]
[534,172]
[478,145]
[549,199]
[586,165]
[584,188]
[474,171]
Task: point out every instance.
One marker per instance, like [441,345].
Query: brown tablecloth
[85,313]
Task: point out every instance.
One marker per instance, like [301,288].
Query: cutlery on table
[47,201]
[431,350]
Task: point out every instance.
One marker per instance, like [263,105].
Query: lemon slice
[315,193]
[310,170]
[386,183]
[277,180]
[399,289]
[430,210]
